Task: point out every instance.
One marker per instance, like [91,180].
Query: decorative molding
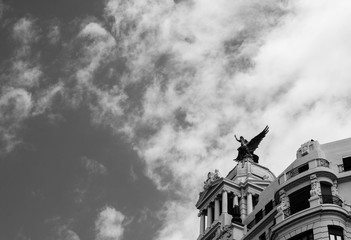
[211,177]
[225,233]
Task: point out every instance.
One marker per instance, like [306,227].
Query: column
[249,203]
[243,206]
[224,202]
[216,209]
[202,222]
[236,210]
[235,202]
[209,216]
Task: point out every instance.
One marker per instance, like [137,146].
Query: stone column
[249,203]
[224,202]
[242,206]
[235,202]
[209,216]
[236,210]
[202,222]
[216,212]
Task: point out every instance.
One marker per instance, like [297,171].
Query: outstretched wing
[253,144]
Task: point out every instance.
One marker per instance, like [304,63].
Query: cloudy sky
[113,111]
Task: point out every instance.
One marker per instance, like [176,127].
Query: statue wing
[253,144]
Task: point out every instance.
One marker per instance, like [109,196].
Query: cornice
[304,176]
[322,210]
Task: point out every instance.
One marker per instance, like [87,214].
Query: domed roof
[250,170]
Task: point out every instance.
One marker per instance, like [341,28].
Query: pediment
[209,191]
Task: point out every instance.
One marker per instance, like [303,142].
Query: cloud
[54,34]
[93,166]
[132,174]
[24,75]
[95,52]
[176,216]
[24,31]
[66,234]
[15,106]
[109,224]
[60,229]
[211,69]
[186,77]
[2,8]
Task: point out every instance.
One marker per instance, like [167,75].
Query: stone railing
[321,162]
[331,199]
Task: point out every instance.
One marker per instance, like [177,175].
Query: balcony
[317,162]
[330,199]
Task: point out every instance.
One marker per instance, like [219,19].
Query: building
[310,200]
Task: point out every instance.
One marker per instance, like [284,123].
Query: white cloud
[132,174]
[109,224]
[93,166]
[25,75]
[15,106]
[206,70]
[54,34]
[178,215]
[215,68]
[24,31]
[66,234]
[60,229]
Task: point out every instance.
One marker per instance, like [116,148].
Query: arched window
[335,232]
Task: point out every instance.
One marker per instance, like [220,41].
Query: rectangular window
[299,199]
[268,207]
[258,216]
[335,232]
[303,168]
[308,235]
[347,163]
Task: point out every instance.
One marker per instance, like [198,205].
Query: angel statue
[247,148]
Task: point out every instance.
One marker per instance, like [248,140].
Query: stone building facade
[310,200]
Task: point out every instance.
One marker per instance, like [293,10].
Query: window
[299,199]
[303,168]
[308,235]
[335,232]
[268,207]
[347,163]
[262,236]
[326,192]
[258,216]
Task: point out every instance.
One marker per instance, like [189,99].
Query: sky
[112,112]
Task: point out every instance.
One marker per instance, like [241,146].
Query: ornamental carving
[284,203]
[225,233]
[315,186]
[211,177]
[305,149]
[334,188]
